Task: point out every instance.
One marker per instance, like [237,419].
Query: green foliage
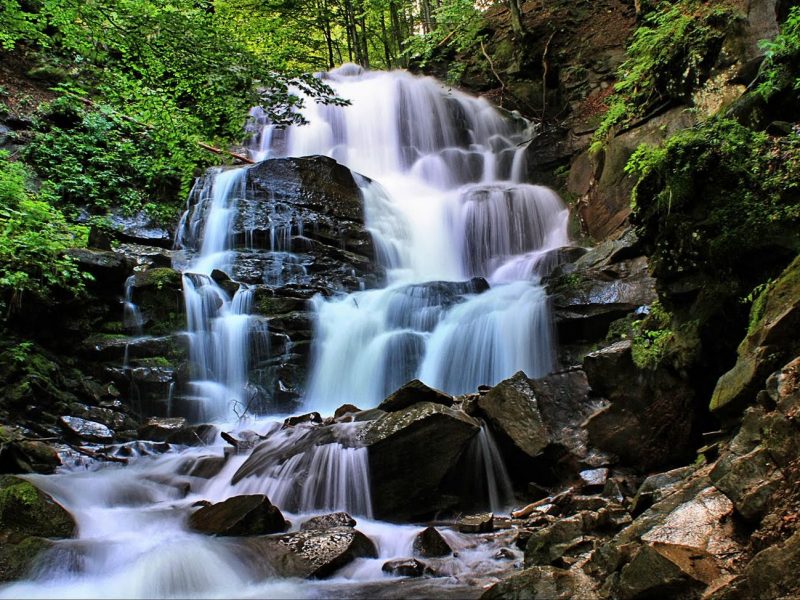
[715,196]
[458,27]
[33,238]
[651,338]
[95,161]
[781,67]
[670,55]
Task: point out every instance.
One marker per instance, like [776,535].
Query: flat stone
[594,479]
[482,523]
[90,431]
[339,519]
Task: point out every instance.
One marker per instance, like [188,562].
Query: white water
[446,203]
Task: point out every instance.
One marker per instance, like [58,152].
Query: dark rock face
[238,516]
[413,392]
[311,553]
[410,453]
[429,543]
[649,419]
[339,519]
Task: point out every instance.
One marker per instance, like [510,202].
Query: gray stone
[407,567]
[481,523]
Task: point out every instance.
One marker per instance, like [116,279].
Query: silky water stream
[442,179]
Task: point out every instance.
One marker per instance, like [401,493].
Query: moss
[154,361]
[159,277]
[776,297]
[28,511]
[18,556]
[652,338]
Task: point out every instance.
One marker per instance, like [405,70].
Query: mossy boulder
[27,510]
[771,340]
[158,292]
[28,516]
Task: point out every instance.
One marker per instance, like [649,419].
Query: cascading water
[464,242]
[446,202]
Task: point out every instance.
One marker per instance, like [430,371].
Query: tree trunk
[516,17]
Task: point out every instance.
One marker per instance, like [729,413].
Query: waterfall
[445,202]
[217,321]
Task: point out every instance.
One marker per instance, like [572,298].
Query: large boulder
[310,553]
[543,582]
[410,453]
[429,543]
[413,392]
[29,519]
[649,418]
[238,516]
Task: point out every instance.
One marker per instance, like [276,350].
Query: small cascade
[218,320]
[489,480]
[446,201]
[132,318]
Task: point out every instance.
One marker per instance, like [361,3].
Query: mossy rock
[158,293]
[28,511]
[18,554]
[771,341]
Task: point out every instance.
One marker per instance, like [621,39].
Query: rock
[651,575]
[158,292]
[747,471]
[146,256]
[593,479]
[770,342]
[339,519]
[158,429]
[605,205]
[345,409]
[194,435]
[771,574]
[206,467]
[23,456]
[19,555]
[410,453]
[658,486]
[311,553]
[28,511]
[238,516]
[649,419]
[413,392]
[107,267]
[512,410]
[112,419]
[482,523]
[547,545]
[89,431]
[406,567]
[312,418]
[429,543]
[543,582]
[139,228]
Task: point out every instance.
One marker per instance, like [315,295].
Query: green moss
[670,55]
[160,278]
[652,338]
[26,510]
[18,556]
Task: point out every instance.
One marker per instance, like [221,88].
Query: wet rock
[593,480]
[312,418]
[649,419]
[547,545]
[115,348]
[697,536]
[482,523]
[429,543]
[311,553]
[146,256]
[245,440]
[339,519]
[407,567]
[658,486]
[511,408]
[771,341]
[194,435]
[108,268]
[24,456]
[413,392]
[543,582]
[345,409]
[158,429]
[110,418]
[238,516]
[20,554]
[139,228]
[410,453]
[89,431]
[651,575]
[206,467]
[158,292]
